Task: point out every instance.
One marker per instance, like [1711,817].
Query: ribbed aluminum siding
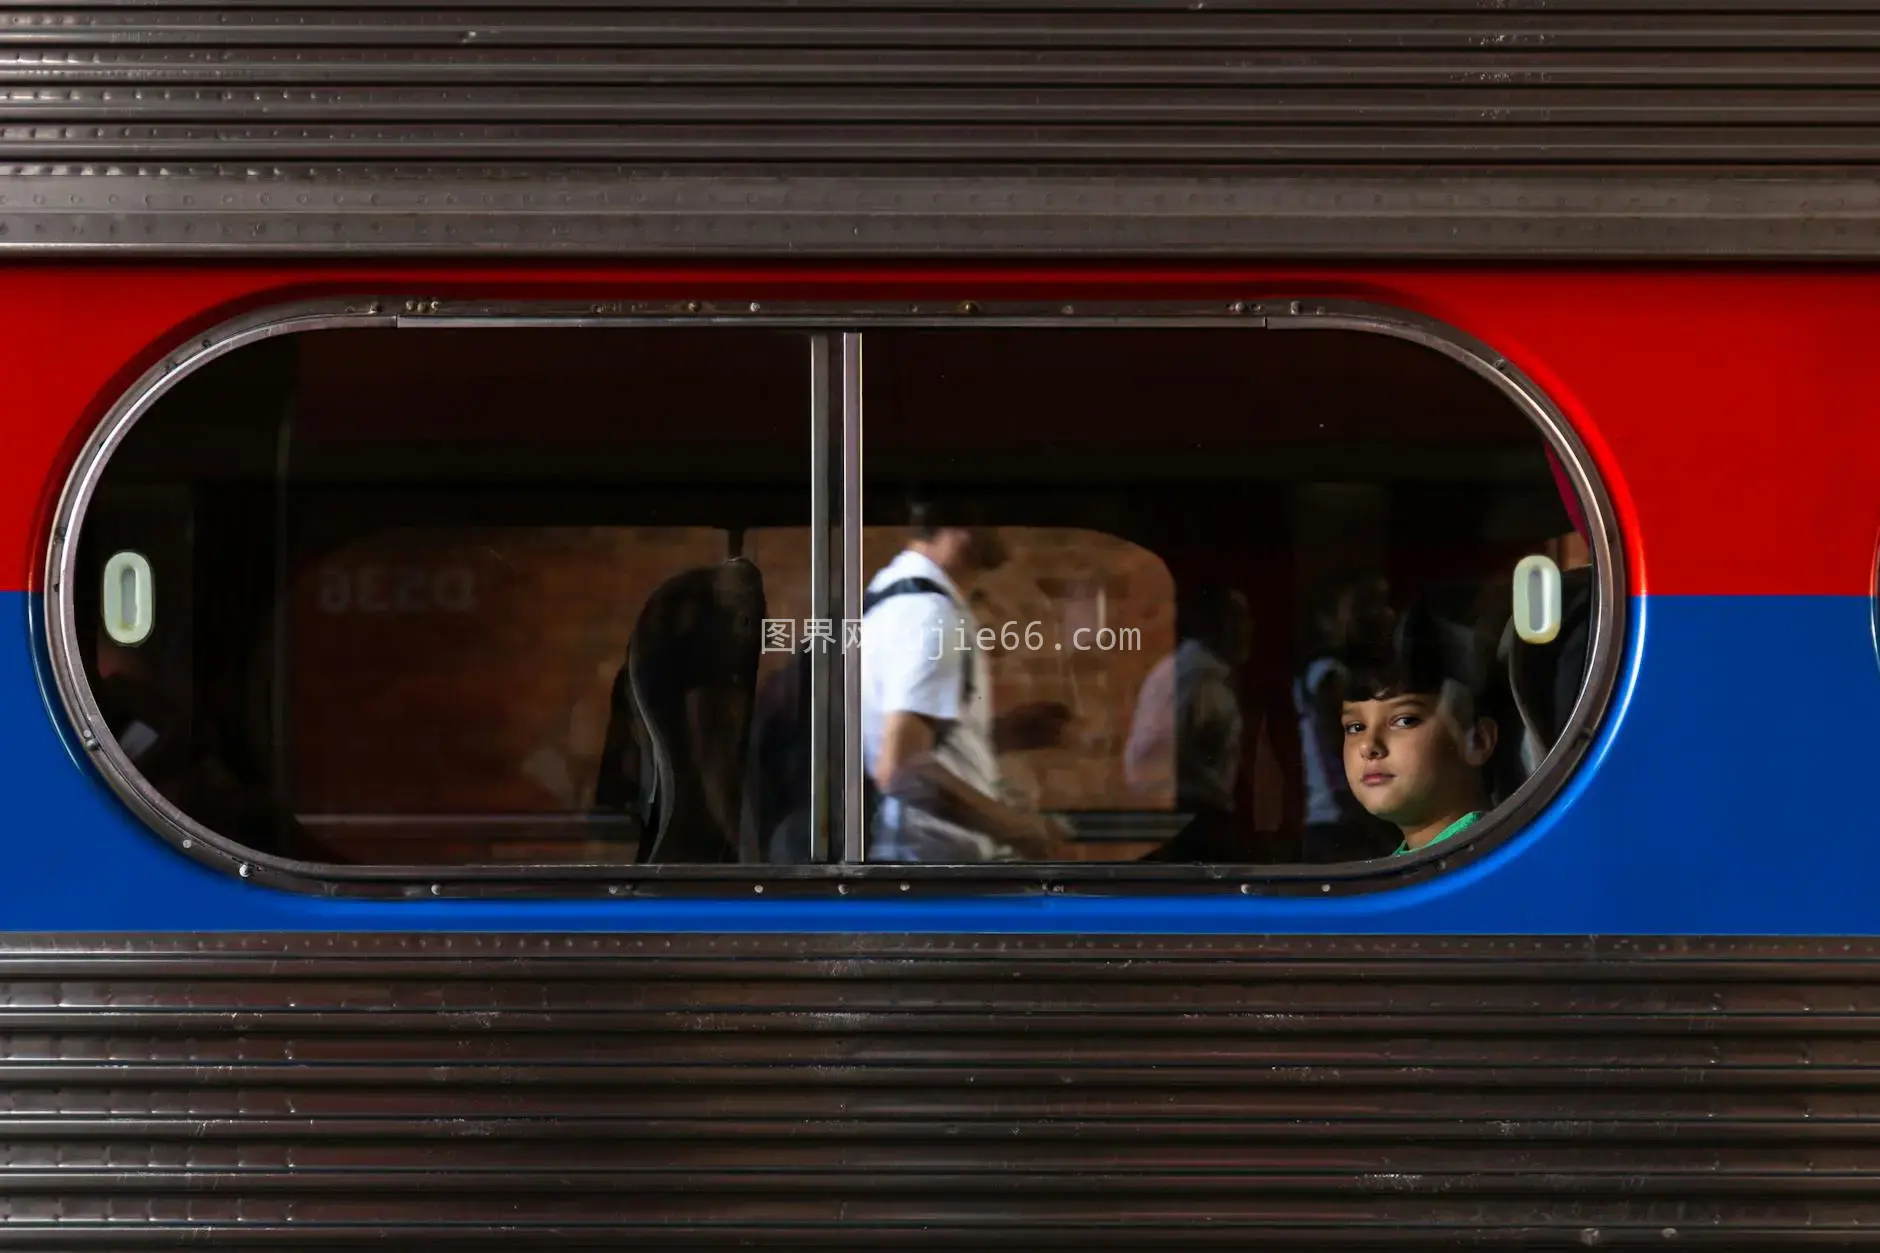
[983,127]
[971,1093]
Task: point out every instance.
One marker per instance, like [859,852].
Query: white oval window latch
[129,600]
[1537,599]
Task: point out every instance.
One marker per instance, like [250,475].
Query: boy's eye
[1354,728]
[1406,721]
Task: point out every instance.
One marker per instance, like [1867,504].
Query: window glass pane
[461,597]
[1223,596]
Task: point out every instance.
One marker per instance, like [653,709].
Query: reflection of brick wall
[467,671]
[1067,580]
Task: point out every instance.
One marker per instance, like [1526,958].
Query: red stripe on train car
[1731,411]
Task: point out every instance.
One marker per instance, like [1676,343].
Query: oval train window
[545,597]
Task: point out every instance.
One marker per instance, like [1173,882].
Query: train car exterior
[324,320]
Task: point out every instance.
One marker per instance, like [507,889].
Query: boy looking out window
[1416,739]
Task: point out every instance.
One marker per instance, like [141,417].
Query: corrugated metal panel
[1157,127]
[977,1092]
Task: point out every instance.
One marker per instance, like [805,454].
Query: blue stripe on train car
[1729,794]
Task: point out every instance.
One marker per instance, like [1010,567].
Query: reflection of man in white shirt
[930,742]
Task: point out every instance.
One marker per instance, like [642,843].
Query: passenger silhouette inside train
[1188,721]
[690,678]
[781,745]
[623,787]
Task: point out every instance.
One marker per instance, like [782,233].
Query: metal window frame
[854,581]
[836,334]
[822,370]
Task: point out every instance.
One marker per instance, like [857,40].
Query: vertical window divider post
[852,575]
[822,721]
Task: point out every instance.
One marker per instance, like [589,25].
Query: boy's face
[1410,759]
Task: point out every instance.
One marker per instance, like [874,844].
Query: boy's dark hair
[1422,655]
[1418,654]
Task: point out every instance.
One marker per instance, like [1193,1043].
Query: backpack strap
[917,586]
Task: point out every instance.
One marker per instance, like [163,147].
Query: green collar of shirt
[1461,824]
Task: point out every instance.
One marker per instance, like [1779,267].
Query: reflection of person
[930,741]
[1337,829]
[1416,740]
[1188,712]
[1190,706]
